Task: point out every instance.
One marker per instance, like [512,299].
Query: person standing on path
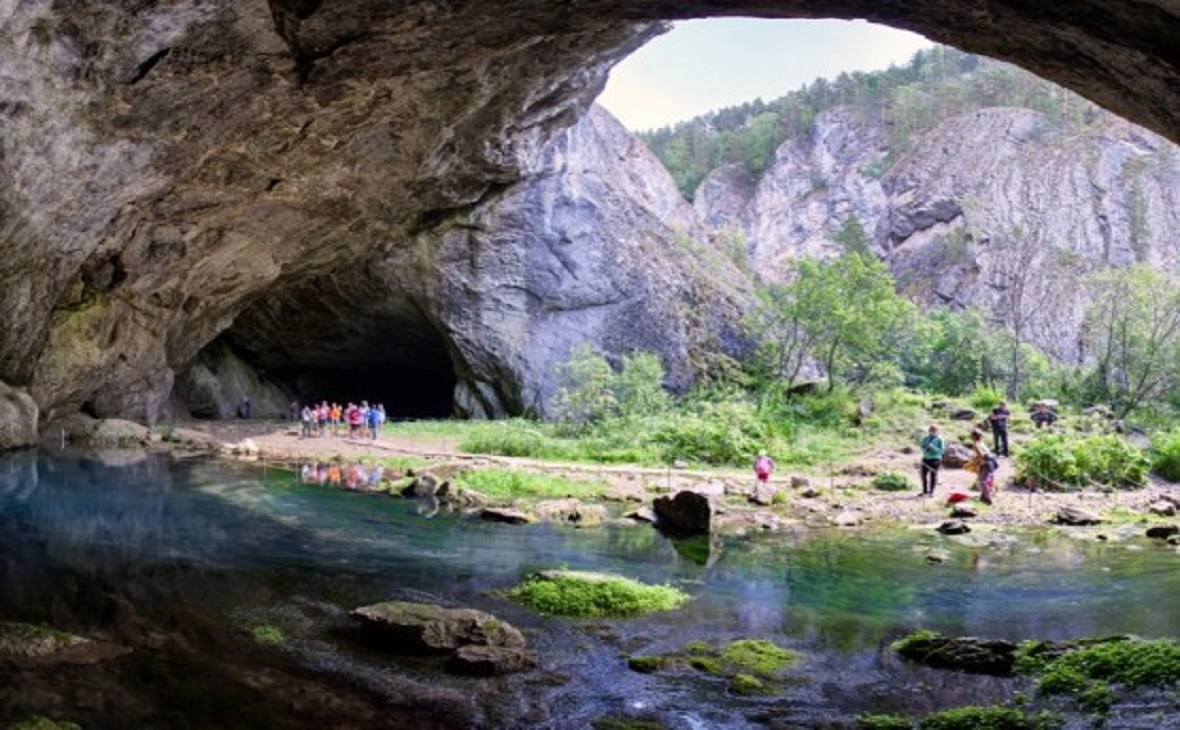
[932,449]
[999,423]
[984,465]
[763,466]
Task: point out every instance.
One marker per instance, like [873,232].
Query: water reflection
[134,548]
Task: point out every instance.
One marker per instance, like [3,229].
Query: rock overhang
[217,156]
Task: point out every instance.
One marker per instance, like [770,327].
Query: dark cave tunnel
[423,388]
[333,351]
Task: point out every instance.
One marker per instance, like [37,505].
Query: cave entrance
[411,385]
[326,347]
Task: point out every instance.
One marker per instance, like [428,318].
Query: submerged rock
[31,644]
[965,653]
[417,628]
[488,661]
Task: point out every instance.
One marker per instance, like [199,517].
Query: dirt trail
[834,495]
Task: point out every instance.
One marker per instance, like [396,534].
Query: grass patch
[585,595]
[509,484]
[891,481]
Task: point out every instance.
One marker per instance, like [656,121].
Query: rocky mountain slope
[979,196]
[202,200]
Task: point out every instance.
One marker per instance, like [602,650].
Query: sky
[702,65]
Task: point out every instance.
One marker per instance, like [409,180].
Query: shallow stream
[180,559]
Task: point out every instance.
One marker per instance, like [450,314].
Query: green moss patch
[574,593]
[1087,669]
[991,718]
[752,666]
[267,634]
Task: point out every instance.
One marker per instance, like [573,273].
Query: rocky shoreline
[843,497]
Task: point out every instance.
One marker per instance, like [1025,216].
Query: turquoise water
[178,559]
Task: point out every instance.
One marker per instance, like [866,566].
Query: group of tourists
[983,462]
[357,421]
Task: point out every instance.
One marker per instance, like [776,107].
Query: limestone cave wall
[176,173]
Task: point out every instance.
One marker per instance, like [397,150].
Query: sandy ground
[832,497]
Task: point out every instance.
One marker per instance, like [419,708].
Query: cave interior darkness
[323,348]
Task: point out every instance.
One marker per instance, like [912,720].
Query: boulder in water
[417,628]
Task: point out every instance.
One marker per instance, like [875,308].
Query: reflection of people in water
[375,476]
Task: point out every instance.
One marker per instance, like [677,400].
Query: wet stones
[966,653]
[477,643]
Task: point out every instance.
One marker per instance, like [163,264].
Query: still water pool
[183,560]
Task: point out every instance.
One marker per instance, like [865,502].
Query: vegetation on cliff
[936,84]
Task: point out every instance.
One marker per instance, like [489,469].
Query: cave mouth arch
[319,344]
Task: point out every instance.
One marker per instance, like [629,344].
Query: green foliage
[990,718]
[1134,321]
[891,481]
[870,721]
[921,637]
[1165,454]
[1059,463]
[844,314]
[936,84]
[584,393]
[639,387]
[728,432]
[985,399]
[609,597]
[591,392]
[508,484]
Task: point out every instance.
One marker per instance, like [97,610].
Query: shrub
[868,721]
[985,399]
[1055,462]
[1165,455]
[718,433]
[891,481]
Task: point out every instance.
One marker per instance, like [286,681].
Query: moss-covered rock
[585,594]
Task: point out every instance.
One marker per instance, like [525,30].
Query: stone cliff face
[980,195]
[190,187]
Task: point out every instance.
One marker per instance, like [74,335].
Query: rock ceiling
[171,168]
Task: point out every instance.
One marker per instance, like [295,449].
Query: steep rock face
[599,247]
[981,198]
[175,171]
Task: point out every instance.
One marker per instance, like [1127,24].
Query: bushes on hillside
[1058,463]
[1165,455]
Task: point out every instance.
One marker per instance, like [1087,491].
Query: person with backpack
[984,464]
[763,466]
[932,448]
